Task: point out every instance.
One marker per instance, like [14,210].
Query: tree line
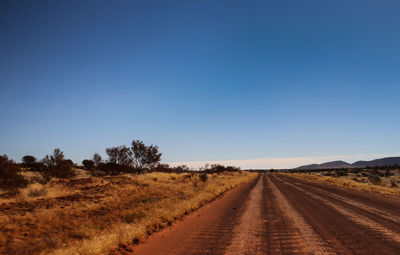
[138,158]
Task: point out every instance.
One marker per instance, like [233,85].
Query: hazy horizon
[283,163]
[274,83]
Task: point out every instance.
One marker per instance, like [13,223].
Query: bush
[393,184]
[163,168]
[374,178]
[181,169]
[355,170]
[203,177]
[132,217]
[97,159]
[56,166]
[88,164]
[10,178]
[37,192]
[36,167]
[120,155]
[388,173]
[216,168]
[28,160]
[97,173]
[144,157]
[168,169]
[31,163]
[136,159]
[341,172]
[109,168]
[61,170]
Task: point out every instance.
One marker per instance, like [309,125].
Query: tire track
[248,234]
[351,202]
[206,231]
[278,214]
[357,218]
[389,204]
[282,236]
[346,231]
[313,244]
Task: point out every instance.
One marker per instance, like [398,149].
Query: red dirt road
[280,214]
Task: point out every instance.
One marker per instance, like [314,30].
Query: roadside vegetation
[55,206]
[382,179]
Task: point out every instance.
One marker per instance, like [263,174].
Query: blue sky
[204,80]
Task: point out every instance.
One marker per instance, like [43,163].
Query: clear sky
[203,80]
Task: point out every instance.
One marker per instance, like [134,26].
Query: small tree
[56,166]
[112,153]
[124,156]
[96,159]
[88,164]
[55,159]
[10,178]
[31,163]
[120,155]
[69,162]
[28,160]
[145,156]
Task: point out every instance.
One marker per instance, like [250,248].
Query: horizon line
[282,163]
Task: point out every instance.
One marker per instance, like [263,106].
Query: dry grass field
[384,182]
[92,215]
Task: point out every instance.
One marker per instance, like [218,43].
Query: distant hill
[341,164]
[378,162]
[327,165]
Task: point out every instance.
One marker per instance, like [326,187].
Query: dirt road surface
[280,214]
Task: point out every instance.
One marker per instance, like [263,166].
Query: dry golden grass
[93,215]
[345,182]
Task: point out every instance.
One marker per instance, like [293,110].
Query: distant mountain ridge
[342,164]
